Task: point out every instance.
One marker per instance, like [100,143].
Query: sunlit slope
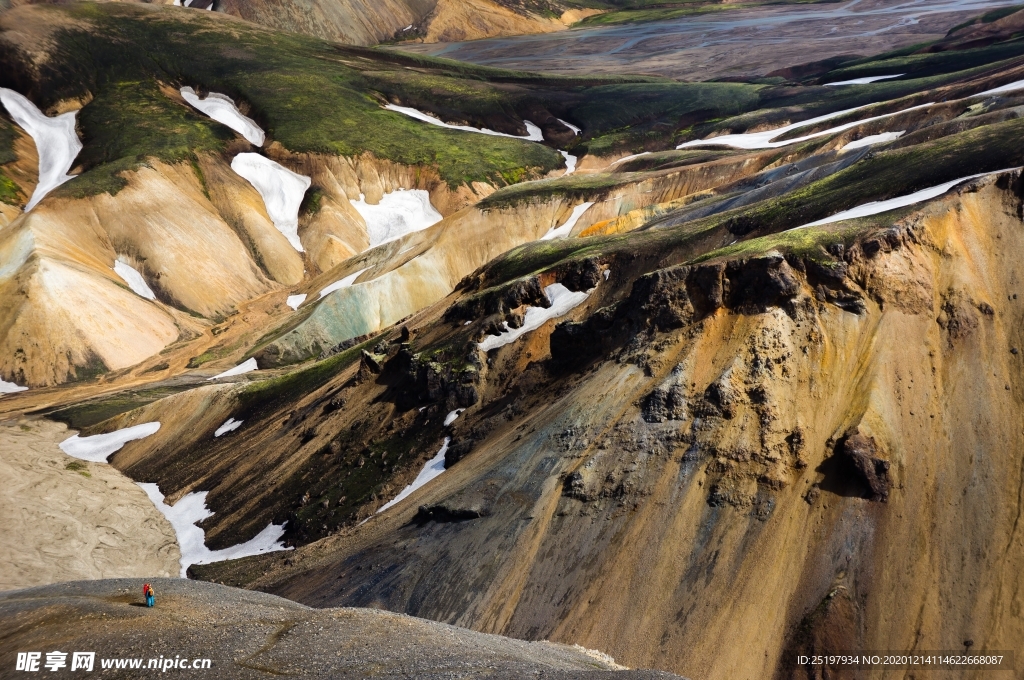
[321,108]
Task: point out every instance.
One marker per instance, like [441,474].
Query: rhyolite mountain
[707,430]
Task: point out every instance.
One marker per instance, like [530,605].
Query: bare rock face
[860,455]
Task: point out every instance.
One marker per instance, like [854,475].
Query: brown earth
[757,462]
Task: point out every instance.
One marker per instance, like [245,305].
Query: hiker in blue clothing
[147,591]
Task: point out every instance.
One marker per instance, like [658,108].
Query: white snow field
[863,81]
[399,213]
[188,3]
[10,388]
[245,367]
[282,191]
[134,279]
[222,109]
[873,139]
[570,162]
[294,301]
[533,133]
[453,416]
[344,283]
[763,140]
[101,446]
[562,302]
[191,509]
[569,125]
[566,229]
[878,207]
[56,141]
[230,425]
[433,468]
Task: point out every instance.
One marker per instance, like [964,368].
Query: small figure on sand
[147,591]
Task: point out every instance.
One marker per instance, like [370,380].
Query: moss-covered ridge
[314,96]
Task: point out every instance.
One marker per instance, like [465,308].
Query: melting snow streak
[10,388]
[222,109]
[230,425]
[533,133]
[763,140]
[100,447]
[399,213]
[566,229]
[249,365]
[433,468]
[863,81]
[570,162]
[344,283]
[562,302]
[282,191]
[878,207]
[191,509]
[134,280]
[874,139]
[56,141]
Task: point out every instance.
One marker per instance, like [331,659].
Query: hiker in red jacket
[147,591]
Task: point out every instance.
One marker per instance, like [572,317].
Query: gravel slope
[249,634]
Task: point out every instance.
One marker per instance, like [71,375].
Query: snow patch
[874,139]
[878,207]
[344,283]
[863,81]
[230,425]
[249,365]
[191,509]
[282,191]
[566,229]
[451,417]
[607,273]
[10,388]
[763,140]
[399,213]
[100,447]
[134,280]
[629,158]
[1009,87]
[570,162]
[294,301]
[562,302]
[576,131]
[433,468]
[533,133]
[56,141]
[222,109]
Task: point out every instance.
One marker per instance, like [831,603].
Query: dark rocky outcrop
[860,456]
[446,513]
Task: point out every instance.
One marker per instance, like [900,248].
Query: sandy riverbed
[57,524]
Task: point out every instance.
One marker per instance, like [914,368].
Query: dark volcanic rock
[445,512]
[860,454]
[761,282]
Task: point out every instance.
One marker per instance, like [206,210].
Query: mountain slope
[716,399]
